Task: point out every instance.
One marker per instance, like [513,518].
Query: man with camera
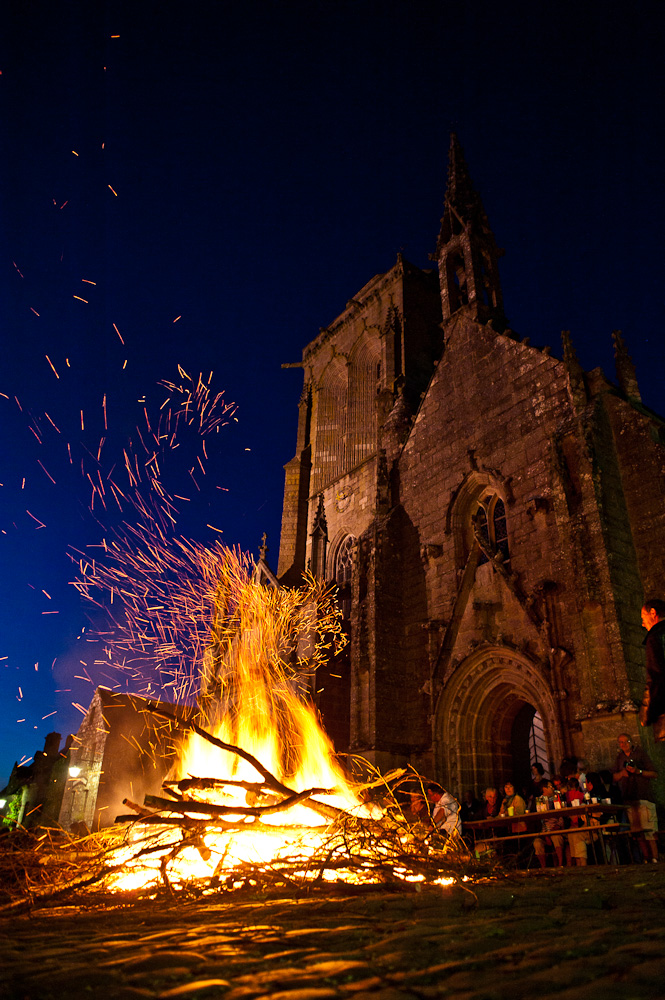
[634,772]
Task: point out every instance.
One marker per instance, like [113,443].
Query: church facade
[493,516]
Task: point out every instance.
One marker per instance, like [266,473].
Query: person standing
[634,772]
[550,824]
[652,712]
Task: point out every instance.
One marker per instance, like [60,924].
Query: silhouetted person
[652,712]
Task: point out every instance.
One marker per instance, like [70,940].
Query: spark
[47,595]
[47,472]
[80,299]
[106,426]
[88,281]
[82,424]
[74,152]
[63,204]
[119,334]
[34,311]
[51,422]
[49,715]
[40,523]
[17,268]
[112,191]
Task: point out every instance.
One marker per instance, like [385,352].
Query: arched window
[489,519]
[343,572]
[458,294]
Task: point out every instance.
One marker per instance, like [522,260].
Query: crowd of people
[628,784]
[568,836]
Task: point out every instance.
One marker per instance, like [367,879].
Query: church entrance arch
[484,721]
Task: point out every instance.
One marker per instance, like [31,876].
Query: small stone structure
[120,751]
[494,517]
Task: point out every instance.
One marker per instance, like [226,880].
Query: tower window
[344,561]
[343,574]
[490,524]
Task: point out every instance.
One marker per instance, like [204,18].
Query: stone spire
[319,540]
[625,369]
[466,250]
[575,372]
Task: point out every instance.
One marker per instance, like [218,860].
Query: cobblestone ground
[582,933]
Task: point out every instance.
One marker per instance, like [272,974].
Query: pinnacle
[462,203]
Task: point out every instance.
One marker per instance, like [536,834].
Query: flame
[254,693]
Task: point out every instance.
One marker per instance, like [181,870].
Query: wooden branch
[204,783]
[209,808]
[137,808]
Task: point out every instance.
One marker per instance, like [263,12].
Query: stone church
[493,516]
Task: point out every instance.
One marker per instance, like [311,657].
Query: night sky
[243,169]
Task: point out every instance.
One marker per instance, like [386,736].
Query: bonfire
[259,797]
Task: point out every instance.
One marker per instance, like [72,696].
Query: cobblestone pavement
[580,933]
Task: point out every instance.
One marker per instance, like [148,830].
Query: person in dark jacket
[652,712]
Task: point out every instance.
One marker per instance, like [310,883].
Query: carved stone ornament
[343,499]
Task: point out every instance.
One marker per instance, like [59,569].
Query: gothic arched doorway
[485,718]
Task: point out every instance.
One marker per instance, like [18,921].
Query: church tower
[466,251]
[493,517]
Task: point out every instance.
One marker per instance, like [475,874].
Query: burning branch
[322,808]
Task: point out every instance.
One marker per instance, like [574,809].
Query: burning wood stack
[268,844]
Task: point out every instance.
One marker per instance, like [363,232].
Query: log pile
[377,846]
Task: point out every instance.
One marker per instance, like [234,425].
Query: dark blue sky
[269,158]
